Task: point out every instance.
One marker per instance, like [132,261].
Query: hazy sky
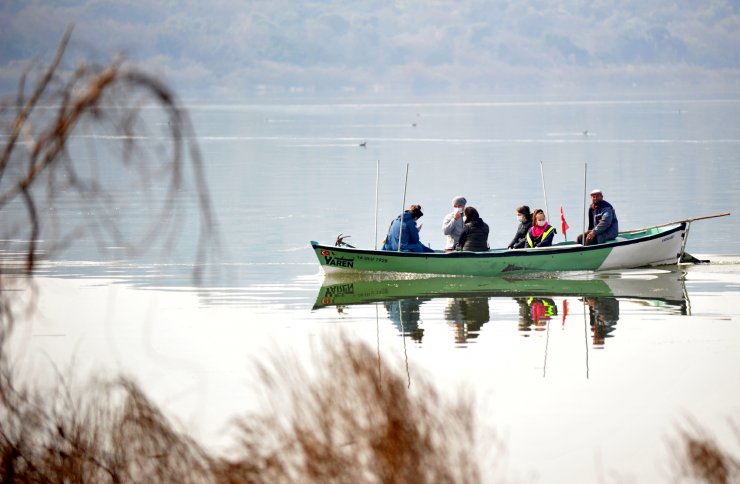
[239,49]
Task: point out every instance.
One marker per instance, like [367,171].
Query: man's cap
[459,201]
[596,191]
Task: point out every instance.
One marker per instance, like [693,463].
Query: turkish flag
[563,224]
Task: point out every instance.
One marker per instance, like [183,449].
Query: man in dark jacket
[602,221]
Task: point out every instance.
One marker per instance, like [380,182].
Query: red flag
[563,224]
[565,310]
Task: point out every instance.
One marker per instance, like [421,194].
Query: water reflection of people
[535,312]
[405,316]
[467,315]
[603,315]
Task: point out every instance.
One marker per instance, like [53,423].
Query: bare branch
[38,91]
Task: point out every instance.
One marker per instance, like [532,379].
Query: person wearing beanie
[405,225]
[452,225]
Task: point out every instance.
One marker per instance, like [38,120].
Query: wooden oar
[689,220]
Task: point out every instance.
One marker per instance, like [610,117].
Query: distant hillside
[236,48]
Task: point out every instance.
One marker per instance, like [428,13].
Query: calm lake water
[584,377]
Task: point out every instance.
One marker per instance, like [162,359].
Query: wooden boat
[655,285]
[654,246]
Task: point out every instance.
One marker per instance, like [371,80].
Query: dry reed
[699,457]
[350,418]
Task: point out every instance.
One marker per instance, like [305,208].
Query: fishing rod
[547,343]
[377,178]
[377,334]
[544,191]
[403,207]
[686,220]
[403,335]
[585,333]
[684,256]
[585,214]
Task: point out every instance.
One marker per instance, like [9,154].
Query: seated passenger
[602,221]
[541,233]
[524,217]
[405,225]
[452,225]
[474,236]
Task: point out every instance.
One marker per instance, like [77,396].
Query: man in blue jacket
[602,221]
[409,233]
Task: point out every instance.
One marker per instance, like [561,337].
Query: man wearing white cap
[452,225]
[602,221]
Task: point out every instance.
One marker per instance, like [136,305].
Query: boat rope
[685,239]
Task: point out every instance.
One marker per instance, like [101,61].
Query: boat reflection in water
[603,314]
[469,299]
[467,315]
[535,312]
[405,316]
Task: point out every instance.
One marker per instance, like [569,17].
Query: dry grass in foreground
[700,458]
[349,419]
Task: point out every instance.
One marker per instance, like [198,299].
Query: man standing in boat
[602,221]
[452,225]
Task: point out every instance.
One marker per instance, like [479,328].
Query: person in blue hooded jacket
[405,224]
[602,221]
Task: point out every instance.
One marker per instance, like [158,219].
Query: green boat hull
[655,285]
[650,247]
